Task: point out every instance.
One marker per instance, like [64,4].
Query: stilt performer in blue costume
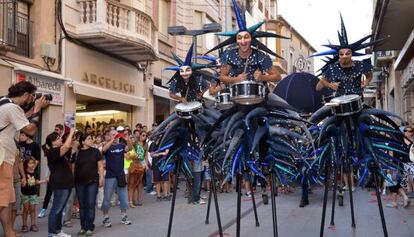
[254,137]
[179,135]
[352,134]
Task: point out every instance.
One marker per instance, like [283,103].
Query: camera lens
[48,97]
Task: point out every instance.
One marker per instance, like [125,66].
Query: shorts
[207,174]
[30,199]
[6,185]
[394,189]
[158,177]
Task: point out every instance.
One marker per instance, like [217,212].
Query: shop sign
[108,83]
[45,85]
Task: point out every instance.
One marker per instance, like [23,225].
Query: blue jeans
[148,177]
[60,198]
[196,186]
[87,198]
[109,188]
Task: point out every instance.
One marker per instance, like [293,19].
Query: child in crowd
[29,194]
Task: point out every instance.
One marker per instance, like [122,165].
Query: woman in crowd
[60,180]
[89,174]
[141,150]
[135,171]
[161,180]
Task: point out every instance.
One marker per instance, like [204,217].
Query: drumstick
[245,65]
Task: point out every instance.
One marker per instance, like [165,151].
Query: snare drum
[327,98]
[346,105]
[223,101]
[247,92]
[186,111]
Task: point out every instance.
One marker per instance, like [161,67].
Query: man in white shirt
[12,120]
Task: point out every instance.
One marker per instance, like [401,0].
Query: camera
[48,97]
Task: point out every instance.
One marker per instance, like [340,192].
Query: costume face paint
[345,56]
[185,72]
[244,40]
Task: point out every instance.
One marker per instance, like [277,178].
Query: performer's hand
[334,85]
[257,75]
[183,100]
[364,84]
[241,77]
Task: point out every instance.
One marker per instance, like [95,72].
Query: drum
[247,92]
[346,105]
[186,111]
[223,101]
[327,98]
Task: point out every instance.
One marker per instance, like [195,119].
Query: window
[23,28]
[8,23]
[210,38]
[164,16]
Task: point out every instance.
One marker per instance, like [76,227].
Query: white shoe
[63,234]
[152,193]
[202,202]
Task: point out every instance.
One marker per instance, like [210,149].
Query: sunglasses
[144,135]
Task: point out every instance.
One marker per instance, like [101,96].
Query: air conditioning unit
[48,50]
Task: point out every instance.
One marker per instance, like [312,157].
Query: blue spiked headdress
[187,62]
[241,23]
[344,44]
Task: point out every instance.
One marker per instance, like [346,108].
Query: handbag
[121,181]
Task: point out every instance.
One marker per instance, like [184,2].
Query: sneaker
[407,202]
[63,234]
[392,205]
[81,232]
[345,188]
[203,197]
[67,224]
[152,193]
[249,194]
[89,233]
[107,222]
[42,213]
[353,189]
[199,202]
[303,203]
[125,220]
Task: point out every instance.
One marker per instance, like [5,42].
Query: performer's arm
[176,97]
[368,78]
[215,89]
[226,79]
[272,75]
[325,83]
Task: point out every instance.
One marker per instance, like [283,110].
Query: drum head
[345,99]
[190,106]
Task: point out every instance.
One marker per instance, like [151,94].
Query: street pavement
[151,219]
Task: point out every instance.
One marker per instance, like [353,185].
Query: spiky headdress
[187,62]
[241,23]
[344,44]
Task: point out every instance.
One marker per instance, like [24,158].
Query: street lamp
[207,28]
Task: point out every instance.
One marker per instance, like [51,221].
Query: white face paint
[185,72]
[244,40]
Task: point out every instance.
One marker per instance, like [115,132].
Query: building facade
[108,48]
[29,50]
[295,51]
[394,57]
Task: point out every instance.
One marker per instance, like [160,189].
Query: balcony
[8,14]
[281,65]
[118,29]
[383,58]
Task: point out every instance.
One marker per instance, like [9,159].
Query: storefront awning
[25,68]
[161,92]
[105,94]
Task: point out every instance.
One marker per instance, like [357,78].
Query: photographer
[12,119]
